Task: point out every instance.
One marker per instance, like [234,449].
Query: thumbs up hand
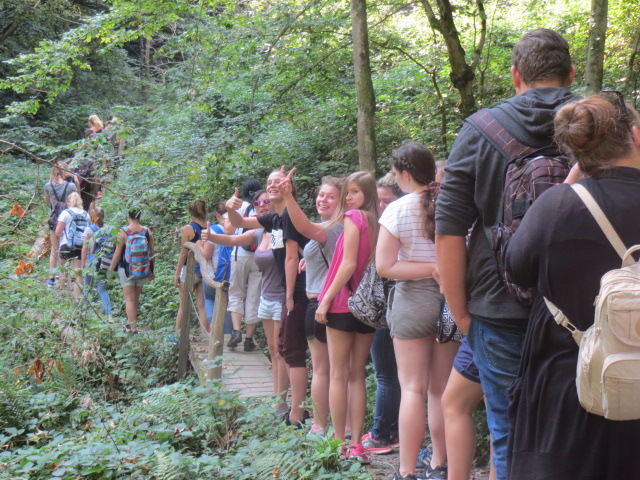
[234,203]
[204,236]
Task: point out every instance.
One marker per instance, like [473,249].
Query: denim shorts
[464,364]
[270,309]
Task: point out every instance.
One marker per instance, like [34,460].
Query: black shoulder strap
[498,136]
[323,256]
[53,189]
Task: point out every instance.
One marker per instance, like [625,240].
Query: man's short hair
[542,54]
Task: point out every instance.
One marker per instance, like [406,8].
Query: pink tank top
[339,302]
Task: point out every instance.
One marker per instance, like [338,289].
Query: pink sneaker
[372,445]
[358,453]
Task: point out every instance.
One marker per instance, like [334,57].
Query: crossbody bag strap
[601,218]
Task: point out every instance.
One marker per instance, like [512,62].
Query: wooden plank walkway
[247,372]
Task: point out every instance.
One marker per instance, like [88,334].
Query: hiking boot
[439,472]
[249,345]
[358,453]
[373,445]
[236,338]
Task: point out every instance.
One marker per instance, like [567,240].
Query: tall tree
[462,73]
[364,87]
[595,52]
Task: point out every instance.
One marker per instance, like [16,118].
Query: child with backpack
[72,223]
[97,254]
[133,258]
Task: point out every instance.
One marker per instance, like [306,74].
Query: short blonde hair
[94,121]
[74,200]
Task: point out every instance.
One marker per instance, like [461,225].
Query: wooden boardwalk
[247,372]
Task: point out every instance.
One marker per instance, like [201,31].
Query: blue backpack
[75,230]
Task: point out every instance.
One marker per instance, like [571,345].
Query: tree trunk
[595,51]
[364,87]
[631,83]
[462,73]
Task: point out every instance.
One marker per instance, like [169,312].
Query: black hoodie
[472,188]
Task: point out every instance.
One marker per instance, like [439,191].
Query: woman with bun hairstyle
[561,251]
[406,252]
[132,286]
[317,256]
[191,233]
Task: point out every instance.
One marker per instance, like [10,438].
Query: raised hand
[286,186]
[235,202]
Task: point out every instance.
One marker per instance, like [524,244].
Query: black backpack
[529,173]
[58,207]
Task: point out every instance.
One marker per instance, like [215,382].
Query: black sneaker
[249,345]
[236,338]
[439,472]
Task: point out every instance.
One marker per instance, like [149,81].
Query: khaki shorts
[130,281]
[413,308]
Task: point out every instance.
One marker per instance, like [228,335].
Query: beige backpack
[608,370]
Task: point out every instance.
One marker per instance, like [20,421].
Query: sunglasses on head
[258,203]
[617,99]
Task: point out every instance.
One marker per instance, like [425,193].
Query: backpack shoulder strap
[601,218]
[562,320]
[498,136]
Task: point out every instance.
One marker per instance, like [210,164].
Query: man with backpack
[471,198]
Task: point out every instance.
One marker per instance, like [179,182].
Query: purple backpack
[529,173]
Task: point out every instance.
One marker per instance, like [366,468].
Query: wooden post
[217,330]
[185,300]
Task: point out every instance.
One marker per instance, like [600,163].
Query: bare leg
[339,344]
[202,312]
[320,382]
[458,402]
[62,278]
[440,364]
[357,387]
[412,357]
[132,301]
[53,254]
[299,379]
[278,367]
[250,330]
[77,284]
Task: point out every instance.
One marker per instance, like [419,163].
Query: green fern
[168,467]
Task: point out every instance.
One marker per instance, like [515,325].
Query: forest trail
[247,372]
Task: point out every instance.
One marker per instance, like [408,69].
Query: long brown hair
[415,158]
[370,206]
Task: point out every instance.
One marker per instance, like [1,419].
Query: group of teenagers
[435,242]
[297,276]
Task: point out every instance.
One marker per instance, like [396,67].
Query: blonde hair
[74,200]
[94,121]
[57,171]
[370,206]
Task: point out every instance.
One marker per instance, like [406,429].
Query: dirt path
[382,467]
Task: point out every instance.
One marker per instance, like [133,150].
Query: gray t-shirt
[59,189]
[317,267]
[272,288]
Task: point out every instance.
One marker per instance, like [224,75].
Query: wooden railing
[214,371]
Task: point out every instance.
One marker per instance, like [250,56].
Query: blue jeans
[385,416]
[101,285]
[209,302]
[497,354]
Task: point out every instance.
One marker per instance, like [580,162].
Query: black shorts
[346,322]
[67,254]
[312,328]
